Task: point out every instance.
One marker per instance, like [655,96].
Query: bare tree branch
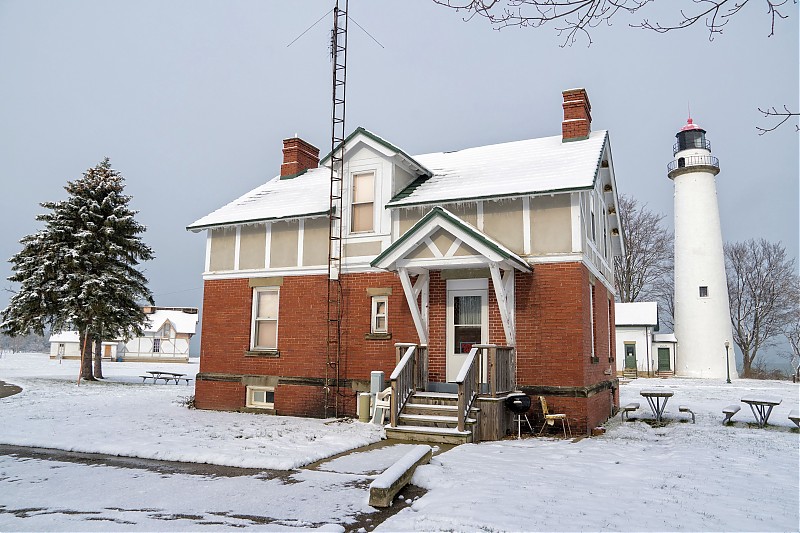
[773,112]
[763,290]
[645,271]
[575,18]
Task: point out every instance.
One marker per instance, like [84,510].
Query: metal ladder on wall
[333,362]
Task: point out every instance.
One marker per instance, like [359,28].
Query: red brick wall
[552,329]
[302,318]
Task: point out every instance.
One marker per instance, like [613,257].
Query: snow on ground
[123,416]
[681,477]
[44,495]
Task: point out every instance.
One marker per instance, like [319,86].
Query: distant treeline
[26,343]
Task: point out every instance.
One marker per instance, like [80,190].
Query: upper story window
[264,334]
[363,203]
[166,331]
[703,291]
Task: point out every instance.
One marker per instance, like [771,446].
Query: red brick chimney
[577,115]
[298,155]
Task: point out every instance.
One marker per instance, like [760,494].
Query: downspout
[647,346]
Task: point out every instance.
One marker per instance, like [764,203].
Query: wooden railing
[501,371]
[468,382]
[410,374]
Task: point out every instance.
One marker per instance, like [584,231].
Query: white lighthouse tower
[702,315]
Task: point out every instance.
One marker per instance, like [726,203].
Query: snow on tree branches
[80,270]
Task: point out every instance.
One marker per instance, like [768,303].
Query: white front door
[467,320]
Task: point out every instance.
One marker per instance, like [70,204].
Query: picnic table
[155,375]
[657,398]
[761,407]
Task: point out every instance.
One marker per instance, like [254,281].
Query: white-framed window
[264,330]
[362,213]
[156,345]
[261,397]
[380,314]
[592,319]
[166,330]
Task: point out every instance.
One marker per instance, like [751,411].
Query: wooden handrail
[500,368]
[403,380]
[468,382]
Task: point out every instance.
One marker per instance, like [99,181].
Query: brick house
[476,272]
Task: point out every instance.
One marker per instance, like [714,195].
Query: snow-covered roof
[664,337]
[301,196]
[508,169]
[182,322]
[70,337]
[636,314]
[65,336]
[496,171]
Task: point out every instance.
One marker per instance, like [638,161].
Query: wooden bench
[795,417]
[685,409]
[385,487]
[729,412]
[626,410]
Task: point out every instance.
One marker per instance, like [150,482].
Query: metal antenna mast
[334,344]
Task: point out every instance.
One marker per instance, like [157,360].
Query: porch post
[420,316]
[504,292]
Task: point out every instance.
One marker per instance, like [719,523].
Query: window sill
[378,336]
[262,353]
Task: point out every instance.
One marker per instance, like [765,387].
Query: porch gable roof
[439,218]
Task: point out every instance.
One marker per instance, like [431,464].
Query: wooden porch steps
[433,417]
[429,434]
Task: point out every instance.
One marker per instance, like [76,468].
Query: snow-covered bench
[795,417]
[383,488]
[685,409]
[729,412]
[626,410]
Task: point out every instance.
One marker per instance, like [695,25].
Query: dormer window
[363,203]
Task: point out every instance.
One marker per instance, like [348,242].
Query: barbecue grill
[519,404]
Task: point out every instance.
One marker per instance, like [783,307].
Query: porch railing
[500,364]
[410,374]
[501,371]
[468,382]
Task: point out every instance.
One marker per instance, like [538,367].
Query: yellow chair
[550,419]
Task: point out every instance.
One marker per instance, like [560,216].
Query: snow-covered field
[682,476]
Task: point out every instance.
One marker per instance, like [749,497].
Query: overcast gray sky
[191,99]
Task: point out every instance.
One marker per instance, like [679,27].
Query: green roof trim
[439,211]
[255,220]
[383,142]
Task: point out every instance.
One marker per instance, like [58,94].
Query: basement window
[261,397]
[703,291]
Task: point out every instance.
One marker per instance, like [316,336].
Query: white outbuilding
[641,350]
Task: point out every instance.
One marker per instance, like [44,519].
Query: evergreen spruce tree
[80,270]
